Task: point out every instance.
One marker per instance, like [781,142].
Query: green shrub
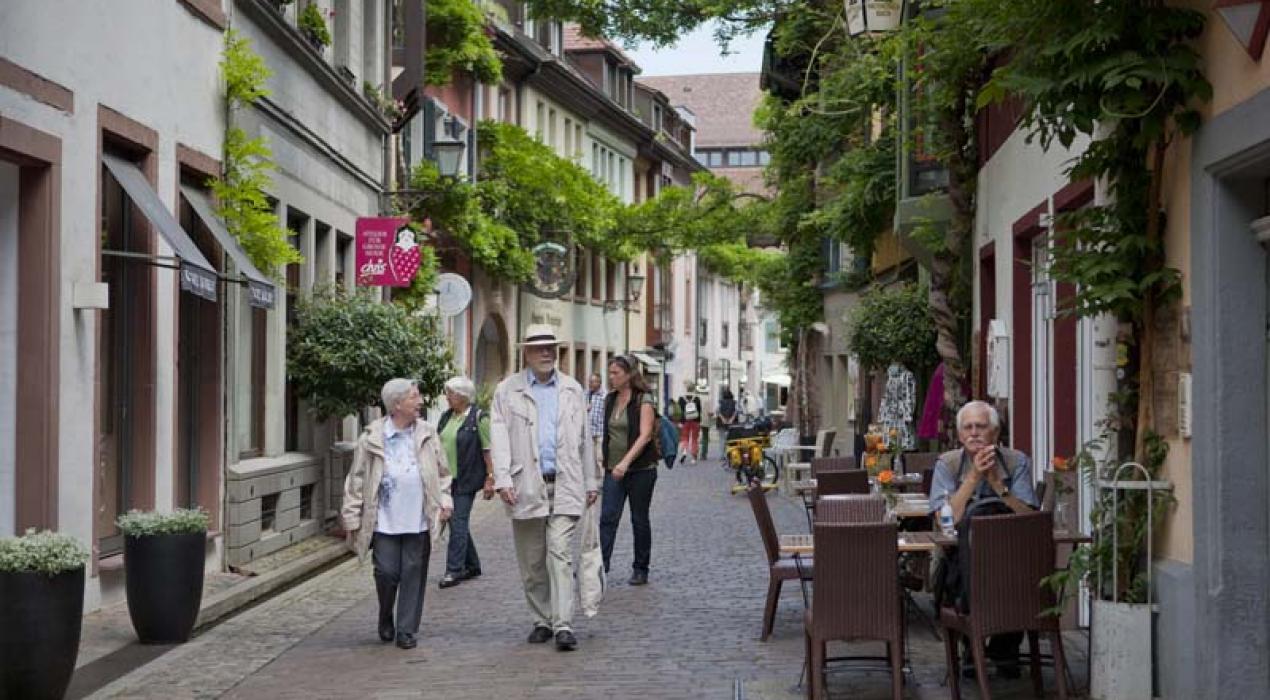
[313,24]
[181,521]
[344,346]
[48,553]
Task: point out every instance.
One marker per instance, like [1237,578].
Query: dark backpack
[952,576]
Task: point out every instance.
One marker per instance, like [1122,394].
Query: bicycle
[745,454]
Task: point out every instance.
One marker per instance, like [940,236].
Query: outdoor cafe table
[912,541]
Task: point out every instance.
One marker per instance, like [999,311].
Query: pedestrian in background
[595,409]
[396,496]
[464,430]
[690,433]
[630,462]
[544,473]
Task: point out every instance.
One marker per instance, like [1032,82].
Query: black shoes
[455,579]
[386,631]
[638,578]
[406,641]
[449,580]
[540,635]
[565,641]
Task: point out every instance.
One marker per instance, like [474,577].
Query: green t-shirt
[450,438]
[619,431]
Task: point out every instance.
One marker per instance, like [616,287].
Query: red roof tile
[723,103]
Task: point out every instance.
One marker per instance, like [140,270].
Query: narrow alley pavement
[693,632]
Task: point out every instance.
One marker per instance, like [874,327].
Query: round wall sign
[453,294]
[553,270]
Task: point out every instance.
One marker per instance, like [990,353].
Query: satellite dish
[453,294]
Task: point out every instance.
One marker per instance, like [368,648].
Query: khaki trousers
[544,551]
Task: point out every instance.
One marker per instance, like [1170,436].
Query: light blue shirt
[401,496]
[547,397]
[945,482]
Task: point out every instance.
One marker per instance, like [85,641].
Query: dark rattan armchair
[832,464]
[856,596]
[779,568]
[852,508]
[839,483]
[1010,554]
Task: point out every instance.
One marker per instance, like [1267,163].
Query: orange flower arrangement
[886,477]
[1060,464]
[872,441]
[870,461]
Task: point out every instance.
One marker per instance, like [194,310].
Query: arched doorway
[491,351]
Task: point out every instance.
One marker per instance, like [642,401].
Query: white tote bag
[591,580]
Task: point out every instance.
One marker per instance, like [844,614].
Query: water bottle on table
[946,523]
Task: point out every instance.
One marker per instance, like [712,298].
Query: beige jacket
[514,446]
[360,511]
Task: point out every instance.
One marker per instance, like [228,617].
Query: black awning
[197,275]
[262,292]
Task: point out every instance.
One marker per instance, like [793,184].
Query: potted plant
[42,605]
[313,26]
[1115,567]
[163,565]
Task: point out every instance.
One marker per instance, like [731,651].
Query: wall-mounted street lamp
[634,288]
[873,16]
[448,153]
[1249,21]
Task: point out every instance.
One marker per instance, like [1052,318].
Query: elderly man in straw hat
[543,471]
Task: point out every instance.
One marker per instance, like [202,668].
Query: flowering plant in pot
[42,605]
[163,565]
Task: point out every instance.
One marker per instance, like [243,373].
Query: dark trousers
[638,486]
[460,556]
[401,565]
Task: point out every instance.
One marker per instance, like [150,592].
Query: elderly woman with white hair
[396,496]
[464,430]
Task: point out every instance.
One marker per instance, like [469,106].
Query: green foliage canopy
[457,41]
[894,326]
[524,192]
[343,347]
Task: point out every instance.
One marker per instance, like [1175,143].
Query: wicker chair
[839,483]
[1010,555]
[853,508]
[856,596]
[832,464]
[779,568]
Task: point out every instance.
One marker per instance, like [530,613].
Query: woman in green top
[464,431]
[630,461]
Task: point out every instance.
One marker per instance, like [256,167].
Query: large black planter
[165,585]
[40,620]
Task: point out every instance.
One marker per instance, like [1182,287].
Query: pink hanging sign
[387,252]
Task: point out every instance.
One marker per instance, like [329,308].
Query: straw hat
[539,334]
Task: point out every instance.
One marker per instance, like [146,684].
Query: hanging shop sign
[387,252]
[554,271]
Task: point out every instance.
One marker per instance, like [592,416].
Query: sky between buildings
[698,52]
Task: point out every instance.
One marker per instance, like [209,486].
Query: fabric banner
[387,254]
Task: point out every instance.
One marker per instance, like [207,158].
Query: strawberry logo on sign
[403,257]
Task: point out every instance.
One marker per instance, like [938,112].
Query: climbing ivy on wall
[240,191]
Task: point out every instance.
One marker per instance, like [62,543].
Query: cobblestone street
[691,633]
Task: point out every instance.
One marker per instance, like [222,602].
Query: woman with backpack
[630,461]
